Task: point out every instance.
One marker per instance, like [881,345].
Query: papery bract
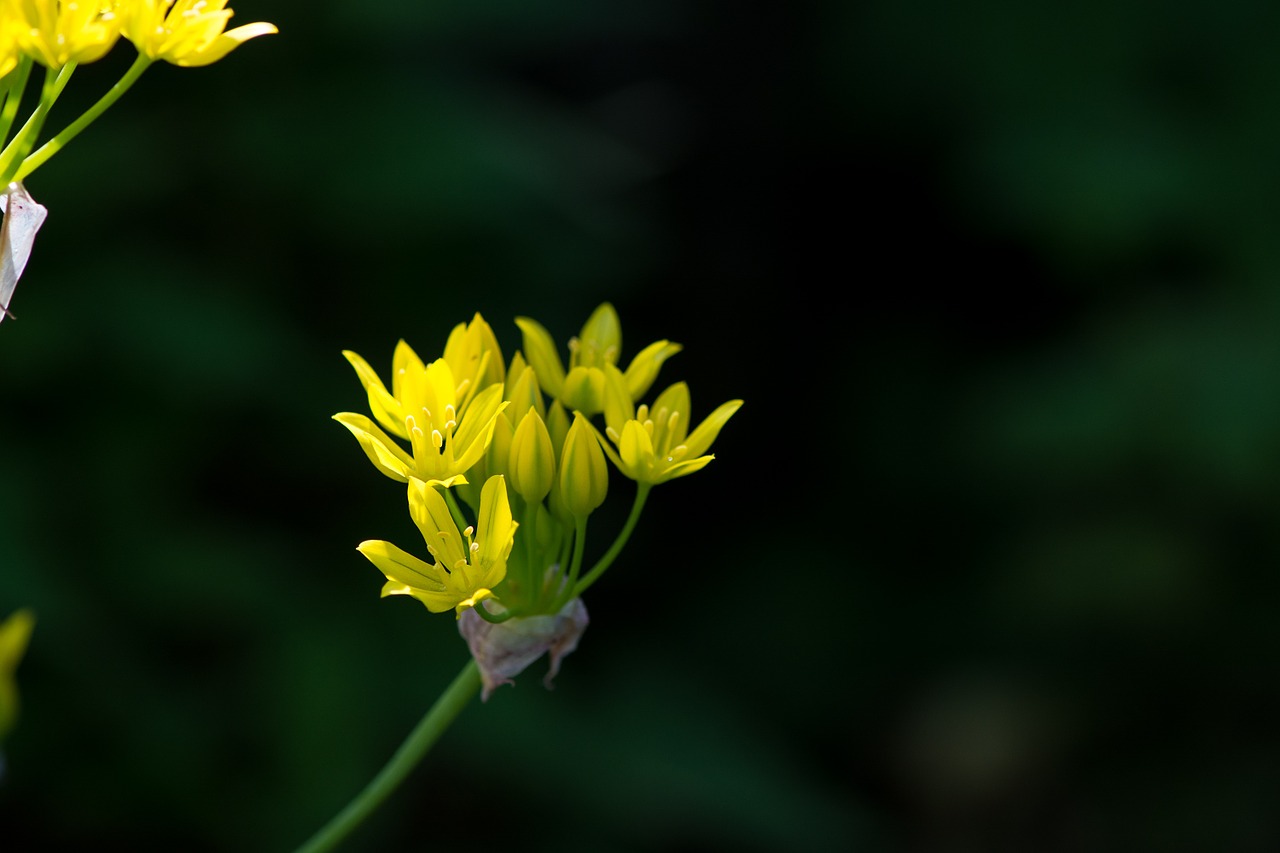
[504,650]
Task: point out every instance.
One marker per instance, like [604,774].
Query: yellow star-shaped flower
[466,569]
[425,407]
[653,444]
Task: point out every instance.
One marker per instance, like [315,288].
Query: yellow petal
[540,351]
[224,44]
[386,408]
[384,453]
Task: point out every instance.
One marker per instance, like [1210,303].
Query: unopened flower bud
[584,477]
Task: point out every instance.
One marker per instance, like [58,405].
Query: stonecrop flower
[466,569]
[653,443]
[597,346]
[188,33]
[447,428]
[56,32]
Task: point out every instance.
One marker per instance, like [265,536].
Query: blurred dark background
[985,563]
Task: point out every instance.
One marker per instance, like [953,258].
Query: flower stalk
[424,735]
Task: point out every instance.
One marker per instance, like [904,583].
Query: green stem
[15,85]
[53,146]
[579,545]
[642,493]
[490,617]
[428,730]
[15,153]
[533,569]
[459,520]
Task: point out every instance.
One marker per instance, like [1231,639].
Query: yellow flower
[654,444]
[56,32]
[14,633]
[187,32]
[424,407]
[600,343]
[465,570]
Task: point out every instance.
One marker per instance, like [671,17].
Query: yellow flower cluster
[64,34]
[57,33]
[516,443]
[61,35]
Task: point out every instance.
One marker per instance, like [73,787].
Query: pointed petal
[495,529]
[643,370]
[607,447]
[584,390]
[226,43]
[636,450]
[540,351]
[476,430]
[384,453]
[673,406]
[600,340]
[404,362]
[707,431]
[431,514]
[386,409]
[681,469]
[618,406]
[436,602]
[402,567]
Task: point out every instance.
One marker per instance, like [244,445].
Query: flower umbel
[187,32]
[468,563]
[515,601]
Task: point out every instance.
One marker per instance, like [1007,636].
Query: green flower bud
[525,394]
[532,462]
[584,477]
[499,452]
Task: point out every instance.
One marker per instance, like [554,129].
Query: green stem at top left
[54,145]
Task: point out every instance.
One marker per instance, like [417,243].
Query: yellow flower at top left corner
[425,408]
[57,32]
[189,33]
